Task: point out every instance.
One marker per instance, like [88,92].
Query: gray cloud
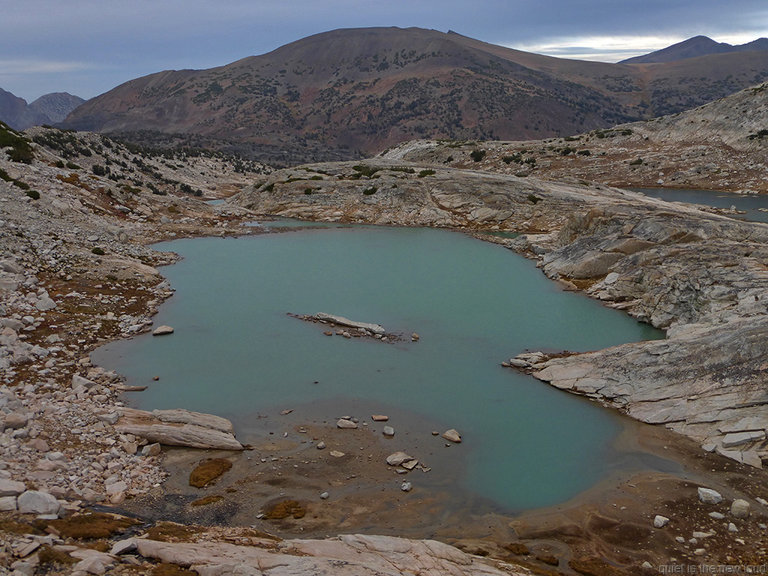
[117,40]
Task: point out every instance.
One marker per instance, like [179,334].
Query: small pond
[236,351]
[751,204]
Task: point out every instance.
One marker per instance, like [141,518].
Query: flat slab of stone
[346,424]
[193,431]
[7,503]
[162,331]
[182,416]
[342,321]
[739,438]
[11,487]
[346,555]
[452,436]
[398,458]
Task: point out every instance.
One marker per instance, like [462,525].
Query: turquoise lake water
[750,203]
[235,351]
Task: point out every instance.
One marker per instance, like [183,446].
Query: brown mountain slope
[345,93]
[722,145]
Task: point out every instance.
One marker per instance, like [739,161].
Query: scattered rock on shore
[452,436]
[709,496]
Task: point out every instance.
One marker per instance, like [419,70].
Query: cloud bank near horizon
[87,48]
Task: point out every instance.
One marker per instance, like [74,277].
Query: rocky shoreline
[699,276]
[76,273]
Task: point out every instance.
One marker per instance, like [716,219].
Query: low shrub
[477,155]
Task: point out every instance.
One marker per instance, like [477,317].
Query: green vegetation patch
[365,170]
[20,151]
[65,142]
[477,155]
[425,173]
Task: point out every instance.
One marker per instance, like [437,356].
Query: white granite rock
[35,502]
[740,508]
[709,496]
[452,436]
[11,487]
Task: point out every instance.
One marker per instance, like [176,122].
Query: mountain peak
[693,48]
[48,109]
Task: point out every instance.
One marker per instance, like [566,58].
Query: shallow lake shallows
[237,353]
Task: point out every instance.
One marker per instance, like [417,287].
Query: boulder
[709,496]
[452,436]
[78,380]
[660,521]
[346,424]
[195,432]
[16,420]
[35,502]
[8,503]
[162,331]
[151,450]
[11,487]
[398,458]
[45,303]
[740,508]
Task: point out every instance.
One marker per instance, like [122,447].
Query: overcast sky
[87,47]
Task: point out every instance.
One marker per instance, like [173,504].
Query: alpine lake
[238,353]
